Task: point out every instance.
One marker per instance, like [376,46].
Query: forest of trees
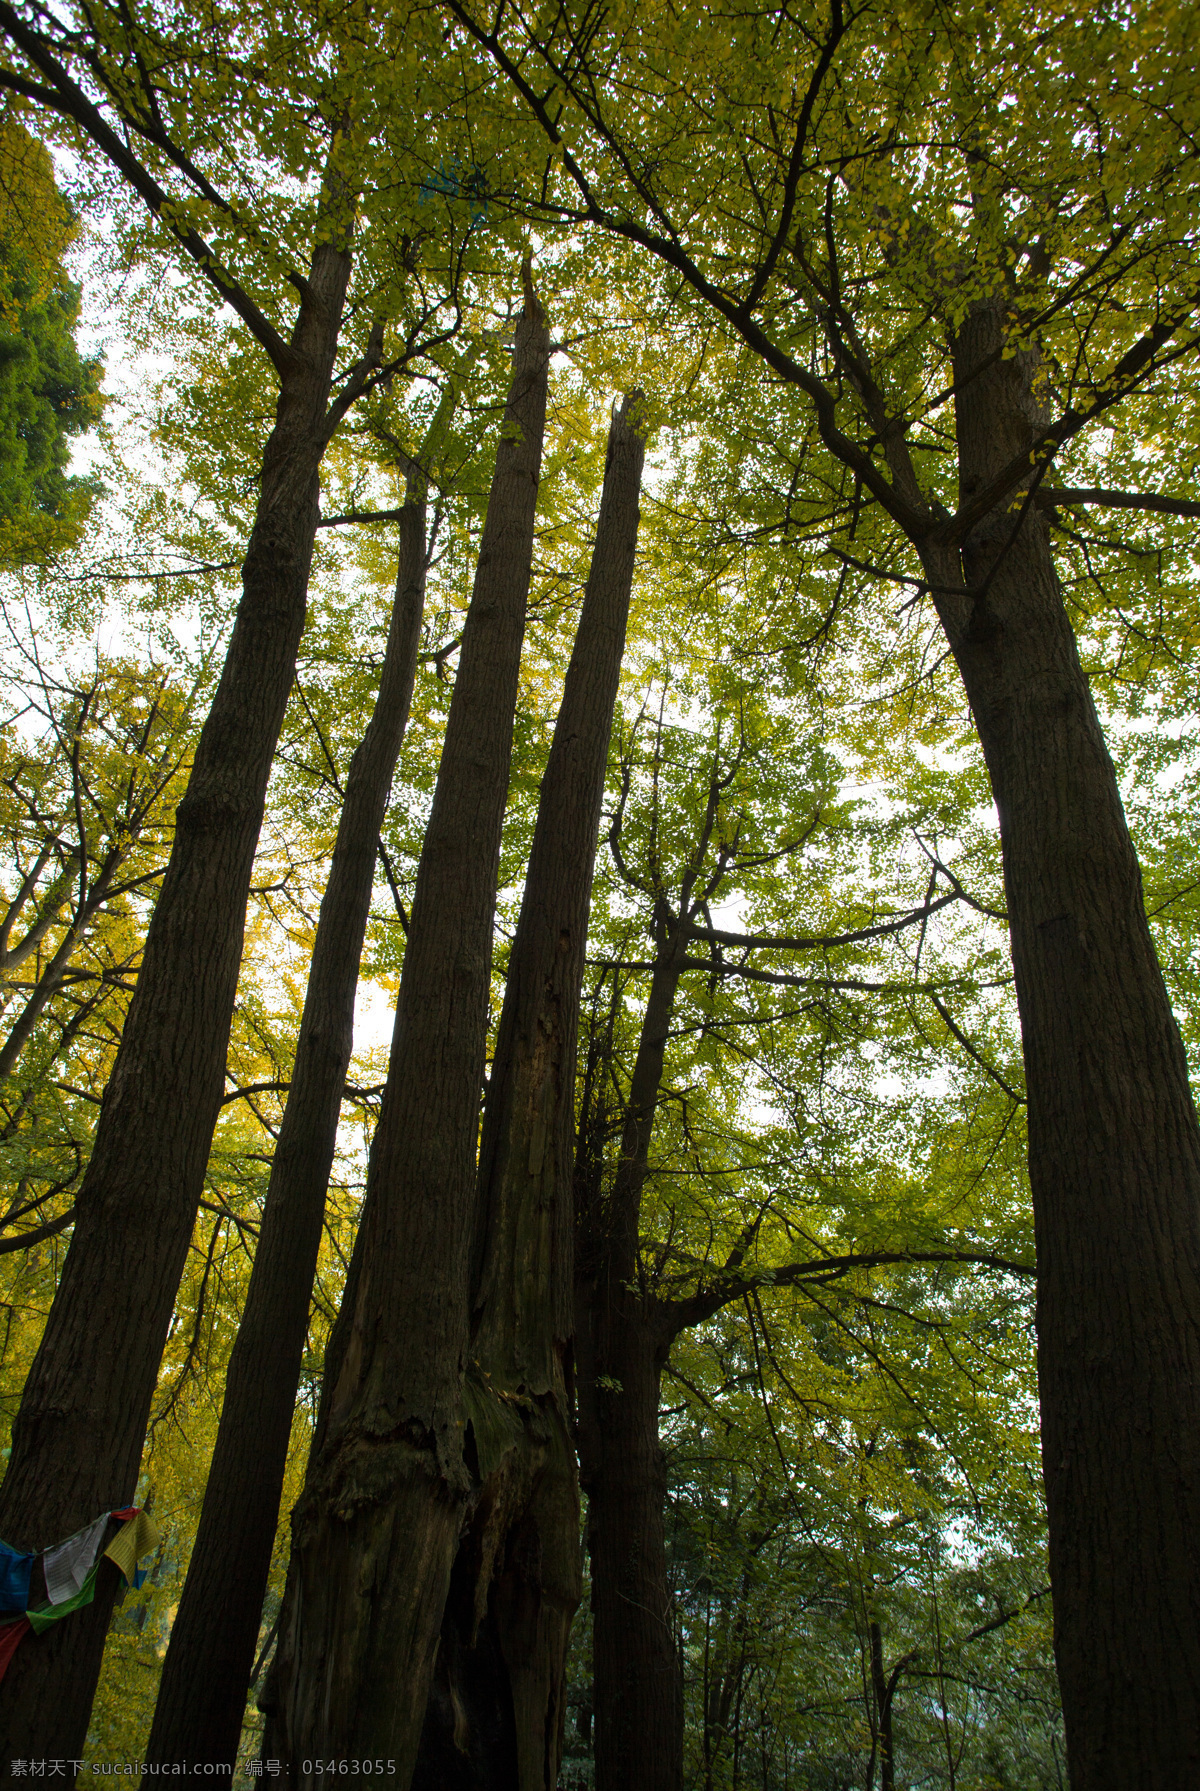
[599,890]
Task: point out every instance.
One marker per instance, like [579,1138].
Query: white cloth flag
[67,1566]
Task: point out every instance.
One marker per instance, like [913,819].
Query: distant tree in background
[49,394]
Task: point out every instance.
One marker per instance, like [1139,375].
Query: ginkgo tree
[91,763]
[966,249]
[881,293]
[270,187]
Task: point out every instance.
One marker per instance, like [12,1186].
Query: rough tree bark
[516,1581]
[622,1338]
[1114,1148]
[202,1695]
[78,1436]
[375,1532]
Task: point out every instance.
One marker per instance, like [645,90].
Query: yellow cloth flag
[132,1541]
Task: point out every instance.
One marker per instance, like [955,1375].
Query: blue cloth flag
[14,1579]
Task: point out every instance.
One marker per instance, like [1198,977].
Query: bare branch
[1051,496]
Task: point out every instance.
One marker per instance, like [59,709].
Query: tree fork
[375,1532]
[202,1694]
[1114,1147]
[77,1440]
[497,1706]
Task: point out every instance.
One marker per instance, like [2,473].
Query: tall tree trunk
[622,1337]
[1114,1148]
[622,1343]
[505,1632]
[77,1441]
[202,1695]
[883,1693]
[375,1532]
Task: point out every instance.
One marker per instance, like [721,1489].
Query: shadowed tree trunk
[624,1333]
[1114,1149]
[622,1339]
[202,1695]
[638,1685]
[496,1707]
[77,1441]
[883,1691]
[375,1533]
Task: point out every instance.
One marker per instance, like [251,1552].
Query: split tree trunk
[375,1532]
[1114,1148]
[202,1695]
[622,1339]
[77,1441]
[497,1706]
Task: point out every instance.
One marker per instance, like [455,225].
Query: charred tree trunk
[1114,1149]
[77,1441]
[622,1338]
[202,1695]
[496,1713]
[375,1532]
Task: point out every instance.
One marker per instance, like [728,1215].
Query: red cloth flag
[10,1638]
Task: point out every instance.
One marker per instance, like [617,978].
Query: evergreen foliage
[48,393]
